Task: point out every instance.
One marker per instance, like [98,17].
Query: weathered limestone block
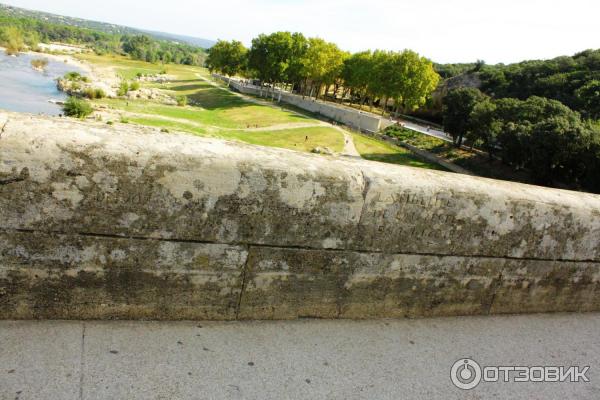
[85,276]
[104,221]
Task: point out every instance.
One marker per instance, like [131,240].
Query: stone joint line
[290,247]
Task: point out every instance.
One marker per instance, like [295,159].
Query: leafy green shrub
[94,93]
[164,130]
[134,86]
[75,107]
[73,76]
[416,139]
[181,101]
[123,89]
[90,93]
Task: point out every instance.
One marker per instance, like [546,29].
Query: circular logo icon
[465,374]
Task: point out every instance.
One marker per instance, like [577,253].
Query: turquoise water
[24,89]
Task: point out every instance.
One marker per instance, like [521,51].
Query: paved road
[310,359]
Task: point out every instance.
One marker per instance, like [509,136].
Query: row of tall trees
[313,66]
[538,134]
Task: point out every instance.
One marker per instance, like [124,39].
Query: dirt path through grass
[349,148]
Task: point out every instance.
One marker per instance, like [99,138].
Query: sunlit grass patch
[294,139]
[377,150]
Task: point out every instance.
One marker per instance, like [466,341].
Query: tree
[457,108]
[356,74]
[479,64]
[78,108]
[484,127]
[228,58]
[589,98]
[138,46]
[381,77]
[294,73]
[403,76]
[555,146]
[414,80]
[322,63]
[271,55]
[12,39]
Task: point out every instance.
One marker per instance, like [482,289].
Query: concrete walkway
[309,359]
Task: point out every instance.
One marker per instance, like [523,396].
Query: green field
[128,69]
[231,113]
[294,139]
[214,111]
[377,150]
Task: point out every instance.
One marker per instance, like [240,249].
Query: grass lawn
[377,150]
[169,125]
[231,114]
[214,112]
[294,139]
[207,105]
[128,69]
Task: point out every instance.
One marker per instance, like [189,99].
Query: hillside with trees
[574,81]
[18,33]
[102,26]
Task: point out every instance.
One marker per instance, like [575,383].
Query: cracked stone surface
[102,221]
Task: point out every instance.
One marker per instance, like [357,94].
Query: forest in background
[19,33]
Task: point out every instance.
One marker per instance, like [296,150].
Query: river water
[24,89]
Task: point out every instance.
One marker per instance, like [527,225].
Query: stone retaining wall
[102,222]
[356,119]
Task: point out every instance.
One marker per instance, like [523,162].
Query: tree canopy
[309,65]
[538,134]
[458,105]
[228,58]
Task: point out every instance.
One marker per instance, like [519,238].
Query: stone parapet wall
[102,221]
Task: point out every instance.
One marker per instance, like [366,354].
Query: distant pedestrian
[306,139]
